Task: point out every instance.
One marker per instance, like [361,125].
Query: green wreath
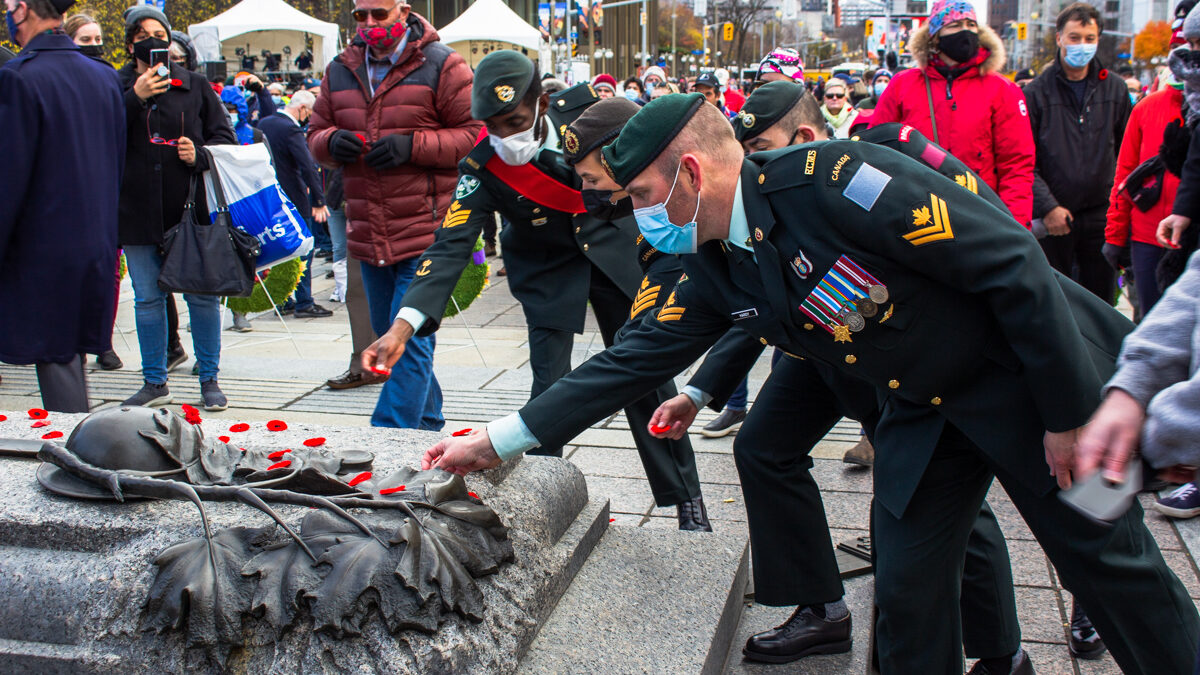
[280,281]
[470,285]
[122,267]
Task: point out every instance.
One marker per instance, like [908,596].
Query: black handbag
[217,259]
[1144,184]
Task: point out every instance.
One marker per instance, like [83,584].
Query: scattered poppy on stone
[388,491]
[366,475]
[37,414]
[223,439]
[276,425]
[472,495]
[39,424]
[280,465]
[461,432]
[314,442]
[278,454]
[53,434]
[240,426]
[3,418]
[612,520]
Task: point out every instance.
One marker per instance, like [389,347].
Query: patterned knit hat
[949,11]
[783,61]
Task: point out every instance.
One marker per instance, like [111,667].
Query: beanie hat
[882,72]
[606,80]
[134,16]
[654,70]
[1191,25]
[949,11]
[783,61]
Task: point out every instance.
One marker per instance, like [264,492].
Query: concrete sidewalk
[482,365]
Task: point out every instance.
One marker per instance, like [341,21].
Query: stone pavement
[482,364]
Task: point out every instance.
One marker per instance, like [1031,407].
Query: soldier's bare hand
[673,417]
[1060,455]
[462,454]
[1110,437]
[387,350]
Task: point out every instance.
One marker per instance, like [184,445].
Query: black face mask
[94,51]
[961,46]
[142,48]
[599,203]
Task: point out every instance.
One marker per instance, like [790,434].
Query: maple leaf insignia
[961,180]
[921,216]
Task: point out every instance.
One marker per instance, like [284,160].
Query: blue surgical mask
[631,94]
[1132,98]
[1078,56]
[878,87]
[661,232]
[11,25]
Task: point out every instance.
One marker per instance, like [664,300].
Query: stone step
[647,601]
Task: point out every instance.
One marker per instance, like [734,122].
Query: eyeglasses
[378,13]
[835,96]
[156,139]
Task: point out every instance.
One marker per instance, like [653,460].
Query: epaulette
[478,156]
[786,167]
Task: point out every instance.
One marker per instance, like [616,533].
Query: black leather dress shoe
[350,380]
[693,516]
[1017,664]
[802,635]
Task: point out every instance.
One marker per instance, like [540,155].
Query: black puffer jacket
[1076,146]
[155,183]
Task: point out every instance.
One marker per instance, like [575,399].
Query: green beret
[648,133]
[599,124]
[501,80]
[766,106]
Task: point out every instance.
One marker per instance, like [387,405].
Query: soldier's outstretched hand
[673,418]
[462,454]
[387,350]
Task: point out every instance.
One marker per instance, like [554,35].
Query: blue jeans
[411,398]
[337,233]
[303,294]
[150,313]
[1145,263]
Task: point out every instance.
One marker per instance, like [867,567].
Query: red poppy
[223,439]
[280,465]
[612,520]
[660,429]
[276,425]
[176,83]
[3,418]
[380,370]
[37,414]
[189,409]
[314,442]
[1103,74]
[388,491]
[39,424]
[240,426]
[461,432]
[472,495]
[366,475]
[53,434]
[278,454]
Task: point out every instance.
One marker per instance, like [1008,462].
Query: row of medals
[855,315]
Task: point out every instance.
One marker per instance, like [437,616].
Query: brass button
[536,210]
[577,230]
[936,400]
[894,384]
[561,103]
[763,340]
[850,358]
[762,178]
[808,326]
[585,247]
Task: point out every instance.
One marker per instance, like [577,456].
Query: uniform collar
[755,209]
[739,227]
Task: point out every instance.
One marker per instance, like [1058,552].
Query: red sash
[534,185]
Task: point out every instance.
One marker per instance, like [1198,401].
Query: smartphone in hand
[160,63]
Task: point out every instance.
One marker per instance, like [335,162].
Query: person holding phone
[170,113]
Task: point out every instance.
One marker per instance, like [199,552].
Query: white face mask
[233,119]
[519,148]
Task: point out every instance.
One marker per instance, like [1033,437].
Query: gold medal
[841,334]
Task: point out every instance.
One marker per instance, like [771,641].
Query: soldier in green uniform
[559,258]
[984,362]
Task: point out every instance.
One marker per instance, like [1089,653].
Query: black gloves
[1117,256]
[389,152]
[346,146]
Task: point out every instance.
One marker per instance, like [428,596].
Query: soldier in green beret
[560,259]
[986,364]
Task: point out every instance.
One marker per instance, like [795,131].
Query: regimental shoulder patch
[457,215]
[968,180]
[466,185]
[932,222]
[866,186]
[505,93]
[669,311]
[810,163]
[840,164]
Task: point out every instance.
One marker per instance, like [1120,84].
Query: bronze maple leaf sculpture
[412,557]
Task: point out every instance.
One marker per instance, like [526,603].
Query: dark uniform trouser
[794,563]
[1077,254]
[670,465]
[1137,604]
[63,386]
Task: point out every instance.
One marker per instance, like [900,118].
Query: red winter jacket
[1143,136]
[981,117]
[391,215]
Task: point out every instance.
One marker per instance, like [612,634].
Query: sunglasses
[835,96]
[378,13]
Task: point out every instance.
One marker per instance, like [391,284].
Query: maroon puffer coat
[392,214]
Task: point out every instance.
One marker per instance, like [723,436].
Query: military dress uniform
[559,261]
[940,301]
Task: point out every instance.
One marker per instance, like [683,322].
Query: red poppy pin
[314,442]
[52,434]
[276,425]
[1103,74]
[38,414]
[240,426]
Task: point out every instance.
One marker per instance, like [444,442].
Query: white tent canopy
[493,21]
[264,24]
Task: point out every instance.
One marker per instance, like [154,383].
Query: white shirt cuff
[699,398]
[415,317]
[510,437]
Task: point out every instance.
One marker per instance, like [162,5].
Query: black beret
[766,106]
[501,80]
[598,125]
[648,133]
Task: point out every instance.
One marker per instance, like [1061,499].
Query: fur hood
[918,46]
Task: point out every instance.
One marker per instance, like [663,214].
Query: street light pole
[674,13]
